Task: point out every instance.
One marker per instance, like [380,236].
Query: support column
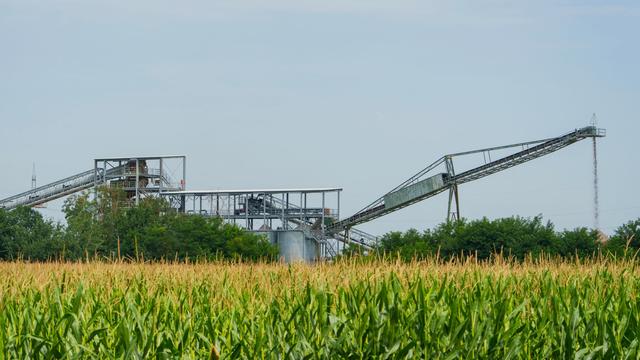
[453,215]
[229,213]
[347,237]
[322,224]
[160,180]
[338,214]
[246,211]
[184,173]
[285,225]
[453,192]
[95,179]
[137,181]
[305,204]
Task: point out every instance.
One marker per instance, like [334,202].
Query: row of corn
[346,310]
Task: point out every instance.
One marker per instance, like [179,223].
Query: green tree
[582,242]
[514,236]
[24,233]
[626,236]
[109,226]
[83,235]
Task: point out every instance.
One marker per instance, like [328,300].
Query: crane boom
[422,186]
[528,154]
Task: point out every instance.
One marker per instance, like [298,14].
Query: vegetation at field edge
[105,229]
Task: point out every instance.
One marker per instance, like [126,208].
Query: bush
[515,237]
[626,237]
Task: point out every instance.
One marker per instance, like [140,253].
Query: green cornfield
[351,309]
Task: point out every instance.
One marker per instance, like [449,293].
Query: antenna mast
[34,182]
[596,200]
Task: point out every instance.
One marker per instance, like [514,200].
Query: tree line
[514,237]
[106,227]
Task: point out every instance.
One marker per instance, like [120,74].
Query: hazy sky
[358,94]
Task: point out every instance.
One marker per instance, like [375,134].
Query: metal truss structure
[141,176]
[310,210]
[136,175]
[425,184]
[315,211]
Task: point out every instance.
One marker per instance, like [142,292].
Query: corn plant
[350,309]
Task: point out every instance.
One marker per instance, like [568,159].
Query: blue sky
[357,94]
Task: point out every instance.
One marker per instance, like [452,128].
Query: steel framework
[145,176]
[136,175]
[415,188]
[141,176]
[309,210]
